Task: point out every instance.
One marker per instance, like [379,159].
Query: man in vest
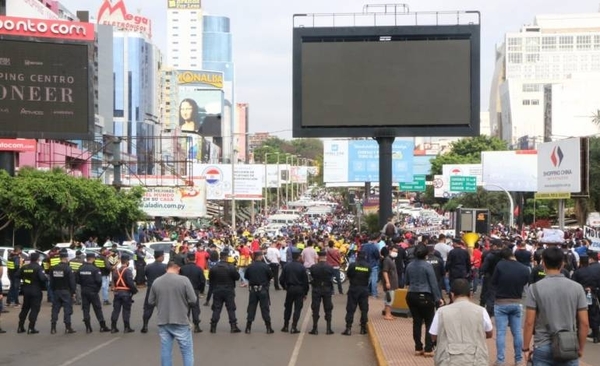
[462,327]
[124,289]
[359,274]
[52,260]
[75,264]
[105,269]
[89,278]
[62,281]
[34,279]
[15,261]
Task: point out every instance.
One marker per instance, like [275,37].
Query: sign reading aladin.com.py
[175,201]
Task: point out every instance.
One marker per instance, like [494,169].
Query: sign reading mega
[559,166]
[184,4]
[25,27]
[116,15]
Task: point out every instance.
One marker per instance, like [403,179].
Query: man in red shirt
[476,264]
[201,258]
[255,246]
[334,259]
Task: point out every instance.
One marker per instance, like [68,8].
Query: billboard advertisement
[358,161]
[559,166]
[18,145]
[116,15]
[175,201]
[43,28]
[275,176]
[442,182]
[521,165]
[45,90]
[249,181]
[422,165]
[299,174]
[184,4]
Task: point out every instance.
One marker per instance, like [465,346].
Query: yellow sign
[184,4]
[552,196]
[201,77]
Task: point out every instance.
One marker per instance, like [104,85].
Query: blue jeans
[542,356]
[508,315]
[373,280]
[105,288]
[183,335]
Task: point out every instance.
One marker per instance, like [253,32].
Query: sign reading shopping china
[175,201]
[559,166]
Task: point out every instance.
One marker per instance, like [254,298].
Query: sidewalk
[394,346]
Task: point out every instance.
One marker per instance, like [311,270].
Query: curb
[381,361]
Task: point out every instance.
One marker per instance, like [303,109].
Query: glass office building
[136,100]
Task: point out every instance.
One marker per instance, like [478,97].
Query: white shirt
[309,257]
[273,255]
[282,254]
[444,249]
[487,323]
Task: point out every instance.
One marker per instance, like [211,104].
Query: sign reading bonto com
[44,90]
[117,16]
[559,166]
[25,27]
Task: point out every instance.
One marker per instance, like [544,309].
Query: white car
[165,246]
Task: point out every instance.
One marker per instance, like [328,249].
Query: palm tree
[596,117]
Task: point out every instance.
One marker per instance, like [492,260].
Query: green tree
[467,151]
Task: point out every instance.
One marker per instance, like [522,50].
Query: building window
[548,43]
[535,102]
[530,88]
[515,58]
[194,42]
[175,42]
[565,43]
[175,35]
[531,58]
[584,42]
[597,42]
[532,44]
[193,65]
[526,101]
[514,44]
[174,27]
[194,35]
[175,20]
[193,27]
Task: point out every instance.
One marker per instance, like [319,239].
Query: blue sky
[262,32]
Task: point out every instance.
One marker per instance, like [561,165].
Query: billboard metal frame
[464,25]
[5,133]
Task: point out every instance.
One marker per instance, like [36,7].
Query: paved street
[222,348]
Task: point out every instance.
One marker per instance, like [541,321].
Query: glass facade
[217,51]
[135,99]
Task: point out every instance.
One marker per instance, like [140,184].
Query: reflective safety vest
[361,269]
[27,276]
[99,262]
[300,246]
[54,261]
[120,284]
[11,264]
[75,265]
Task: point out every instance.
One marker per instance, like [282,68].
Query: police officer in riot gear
[322,289]
[222,279]
[196,276]
[89,278]
[62,281]
[124,289]
[152,272]
[34,279]
[437,263]
[294,281]
[259,275]
[358,294]
[589,278]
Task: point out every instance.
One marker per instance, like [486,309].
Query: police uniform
[124,289]
[294,281]
[259,275]
[62,281]
[151,272]
[322,289]
[102,263]
[589,277]
[358,293]
[196,276]
[139,260]
[52,260]
[34,279]
[89,278]
[222,279]
[15,261]
[438,267]
[75,264]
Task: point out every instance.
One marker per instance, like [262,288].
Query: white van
[283,219]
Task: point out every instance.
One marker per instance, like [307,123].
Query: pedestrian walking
[105,268]
[294,280]
[89,278]
[274,258]
[152,272]
[390,279]
[124,289]
[334,259]
[359,274]
[196,276]
[222,278]
[34,279]
[172,295]
[62,281]
[322,275]
[16,259]
[259,276]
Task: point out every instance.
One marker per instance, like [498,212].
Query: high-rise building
[242,113]
[545,85]
[184,34]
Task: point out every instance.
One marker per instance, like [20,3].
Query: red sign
[116,15]
[20,145]
[26,27]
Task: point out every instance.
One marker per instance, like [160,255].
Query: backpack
[569,259]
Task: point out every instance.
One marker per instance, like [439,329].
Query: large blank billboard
[407,81]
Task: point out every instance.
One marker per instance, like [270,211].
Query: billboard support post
[561,214]
[117,183]
[7,162]
[385,178]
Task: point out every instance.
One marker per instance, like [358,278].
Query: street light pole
[510,200]
[278,184]
[233,208]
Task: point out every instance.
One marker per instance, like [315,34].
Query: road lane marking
[296,353]
[89,352]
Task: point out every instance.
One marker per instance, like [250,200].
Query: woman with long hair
[188,115]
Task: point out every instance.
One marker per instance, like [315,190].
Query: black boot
[103,327]
[294,330]
[363,329]
[314,330]
[248,327]
[145,327]
[285,328]
[269,329]
[32,329]
[213,327]
[2,331]
[197,328]
[53,328]
[235,329]
[113,327]
[21,328]
[329,330]
[69,330]
[127,328]
[348,330]
[88,326]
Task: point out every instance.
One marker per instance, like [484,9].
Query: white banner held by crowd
[593,235]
